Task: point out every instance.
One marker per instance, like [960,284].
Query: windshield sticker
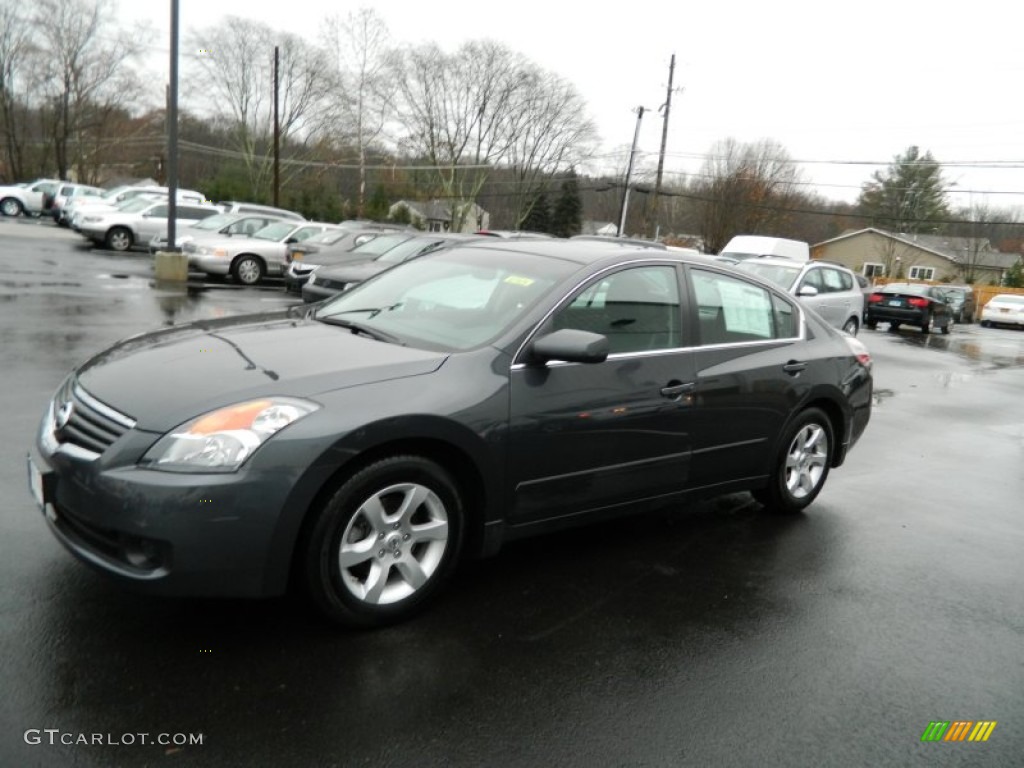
[516,280]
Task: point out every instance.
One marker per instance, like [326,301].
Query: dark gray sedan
[488,392]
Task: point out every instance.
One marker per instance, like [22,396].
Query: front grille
[91,424]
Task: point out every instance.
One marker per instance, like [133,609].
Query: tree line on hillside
[365,122]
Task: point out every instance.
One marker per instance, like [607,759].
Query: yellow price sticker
[523,281]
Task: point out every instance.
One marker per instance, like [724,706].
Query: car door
[152,223]
[826,303]
[749,367]
[585,437]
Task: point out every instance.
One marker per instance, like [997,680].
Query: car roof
[585,252]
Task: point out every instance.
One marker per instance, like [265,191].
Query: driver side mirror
[571,346]
[807,290]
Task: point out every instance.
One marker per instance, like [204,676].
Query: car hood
[166,377]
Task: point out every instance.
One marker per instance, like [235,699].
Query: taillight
[874,298]
[859,350]
[918,302]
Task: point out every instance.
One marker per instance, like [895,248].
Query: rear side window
[731,310]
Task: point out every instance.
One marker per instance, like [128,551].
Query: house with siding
[441,215]
[876,253]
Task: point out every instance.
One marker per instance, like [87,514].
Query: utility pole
[277,129]
[629,172]
[664,141]
[172,137]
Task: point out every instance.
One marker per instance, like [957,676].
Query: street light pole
[172,137]
[629,171]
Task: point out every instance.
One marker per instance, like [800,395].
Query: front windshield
[407,250]
[455,300]
[277,231]
[330,237]
[782,275]
[137,204]
[216,221]
[382,244]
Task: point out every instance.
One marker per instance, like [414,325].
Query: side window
[304,233]
[186,212]
[814,279]
[637,309]
[833,280]
[785,318]
[733,310]
[158,212]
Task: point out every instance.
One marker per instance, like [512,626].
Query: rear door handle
[793,367]
[675,391]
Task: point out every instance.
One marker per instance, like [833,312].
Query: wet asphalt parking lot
[715,635]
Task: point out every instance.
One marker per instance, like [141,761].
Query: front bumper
[210,264]
[164,533]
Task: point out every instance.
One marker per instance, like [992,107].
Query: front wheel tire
[248,270]
[802,464]
[119,239]
[384,543]
[11,206]
[851,326]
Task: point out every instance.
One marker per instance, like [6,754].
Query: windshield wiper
[373,333]
[371,311]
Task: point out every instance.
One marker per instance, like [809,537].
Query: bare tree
[236,72]
[549,132]
[85,77]
[363,92]
[745,189]
[483,106]
[16,48]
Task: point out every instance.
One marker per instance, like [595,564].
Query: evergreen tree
[909,196]
[378,204]
[567,218]
[539,217]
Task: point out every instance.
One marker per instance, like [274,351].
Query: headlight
[221,440]
[205,250]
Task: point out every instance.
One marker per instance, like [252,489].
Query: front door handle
[676,390]
[793,367]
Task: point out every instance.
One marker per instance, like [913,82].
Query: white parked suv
[117,197]
[26,198]
[249,259]
[829,289]
[137,222]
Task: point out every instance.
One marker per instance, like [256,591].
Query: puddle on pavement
[879,396]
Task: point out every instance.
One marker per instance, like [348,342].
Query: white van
[754,246]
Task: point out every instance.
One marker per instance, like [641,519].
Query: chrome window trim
[801,323]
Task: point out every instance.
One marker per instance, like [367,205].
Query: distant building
[440,215]
[876,253]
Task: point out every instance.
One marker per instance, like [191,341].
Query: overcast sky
[838,86]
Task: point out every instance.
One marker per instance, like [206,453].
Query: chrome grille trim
[93,426]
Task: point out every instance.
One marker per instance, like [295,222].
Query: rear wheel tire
[928,325]
[871,325]
[947,327]
[11,206]
[801,466]
[119,239]
[894,326]
[851,326]
[385,543]
[247,270]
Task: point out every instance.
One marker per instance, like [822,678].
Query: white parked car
[116,197]
[137,222]
[829,289]
[215,228]
[26,198]
[249,259]
[65,192]
[1004,309]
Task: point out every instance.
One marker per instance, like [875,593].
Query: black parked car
[917,304]
[492,391]
[327,281]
